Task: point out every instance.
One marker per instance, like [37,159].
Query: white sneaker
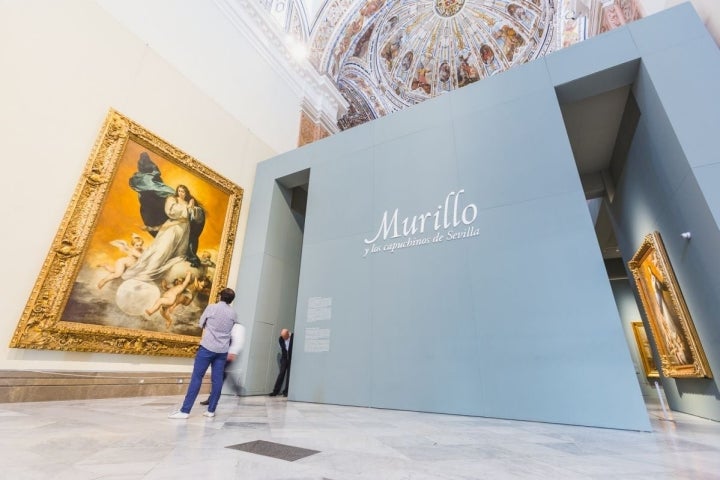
[179,415]
[209,414]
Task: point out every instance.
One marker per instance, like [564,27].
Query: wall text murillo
[451,220]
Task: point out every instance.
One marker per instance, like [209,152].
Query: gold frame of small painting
[644,350]
[144,246]
[673,331]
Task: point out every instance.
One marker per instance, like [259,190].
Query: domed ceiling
[391,54]
[385,55]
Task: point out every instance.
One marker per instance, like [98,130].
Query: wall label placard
[451,220]
[317,340]
[319,308]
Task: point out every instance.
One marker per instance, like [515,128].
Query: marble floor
[132,438]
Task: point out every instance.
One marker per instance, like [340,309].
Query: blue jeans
[204,359]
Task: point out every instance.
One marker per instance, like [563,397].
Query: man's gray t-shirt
[217,320]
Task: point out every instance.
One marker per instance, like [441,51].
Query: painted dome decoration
[389,54]
[448,8]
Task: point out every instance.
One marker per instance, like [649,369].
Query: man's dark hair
[227,295]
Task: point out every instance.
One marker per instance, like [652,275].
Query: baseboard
[42,386]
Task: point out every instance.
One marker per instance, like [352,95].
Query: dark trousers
[283,374]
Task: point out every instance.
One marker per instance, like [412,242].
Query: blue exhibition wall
[449,262]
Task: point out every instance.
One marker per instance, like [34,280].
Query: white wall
[199,40]
[64,64]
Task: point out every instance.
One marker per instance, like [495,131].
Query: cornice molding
[319,95]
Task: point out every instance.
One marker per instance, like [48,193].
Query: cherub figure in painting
[133,251]
[171,298]
[206,259]
[207,265]
[202,287]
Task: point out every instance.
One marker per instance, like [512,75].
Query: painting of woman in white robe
[176,219]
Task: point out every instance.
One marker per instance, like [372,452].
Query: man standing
[217,321]
[286,342]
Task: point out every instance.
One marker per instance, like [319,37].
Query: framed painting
[144,246]
[644,350]
[677,342]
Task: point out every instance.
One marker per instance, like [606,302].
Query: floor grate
[274,450]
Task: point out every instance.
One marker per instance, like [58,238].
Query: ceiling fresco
[385,55]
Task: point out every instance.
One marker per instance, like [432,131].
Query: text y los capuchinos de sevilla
[425,228]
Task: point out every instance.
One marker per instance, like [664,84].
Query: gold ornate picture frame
[644,350]
[144,246]
[679,348]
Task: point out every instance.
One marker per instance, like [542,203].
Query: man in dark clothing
[286,342]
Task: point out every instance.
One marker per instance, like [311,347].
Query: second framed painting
[144,246]
[644,350]
[679,348]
